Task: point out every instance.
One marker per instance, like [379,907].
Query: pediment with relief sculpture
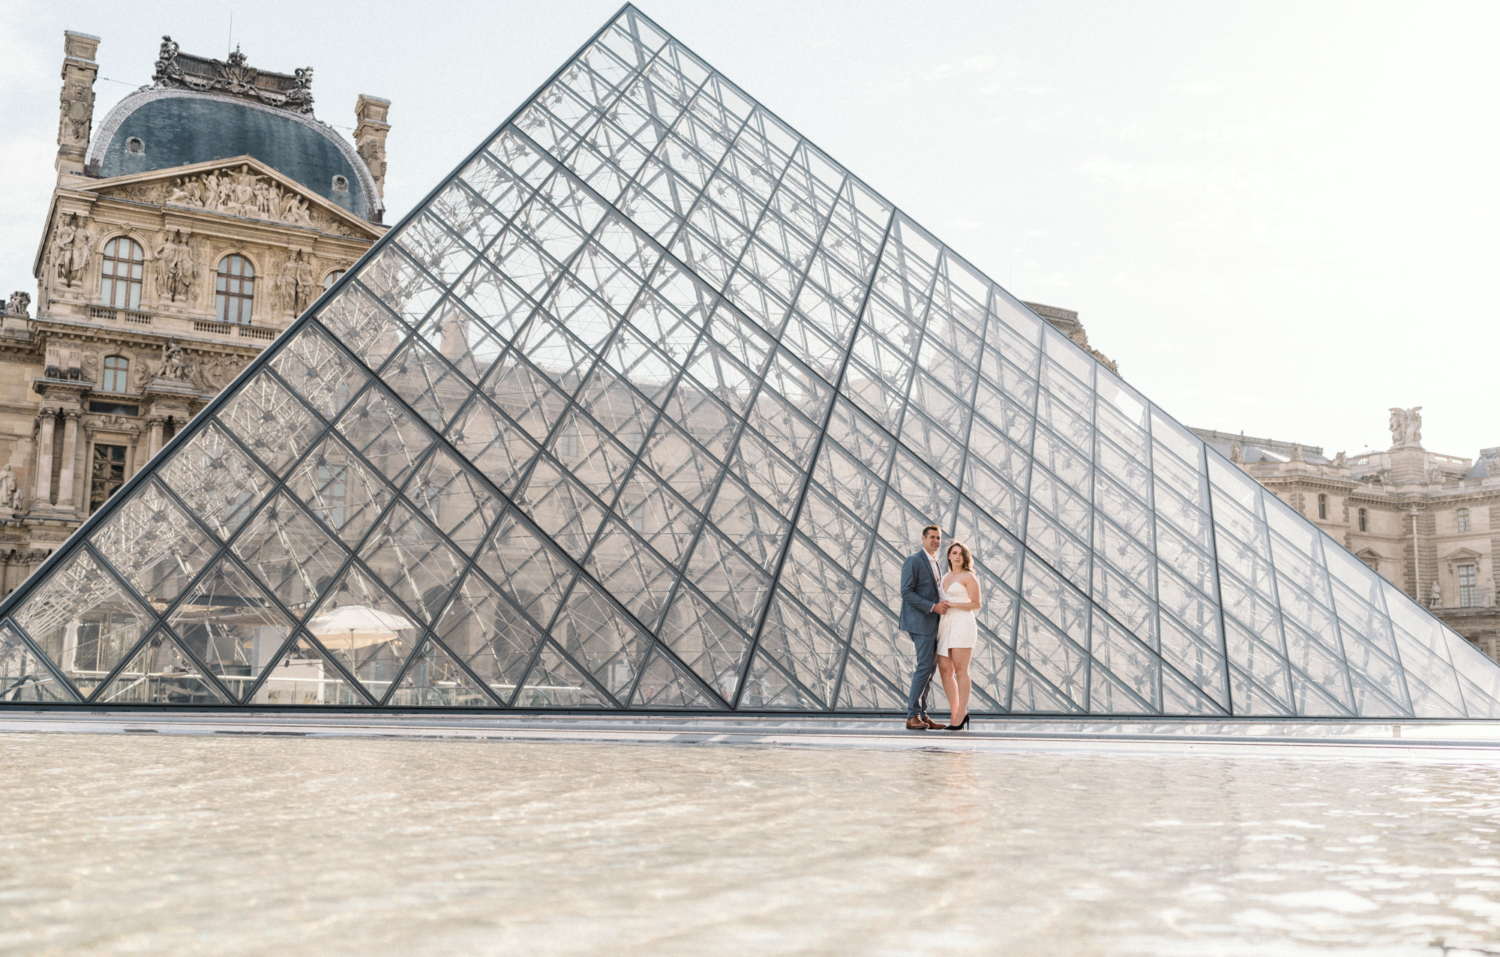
[242,187]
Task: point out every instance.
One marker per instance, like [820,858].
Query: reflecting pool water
[227,845]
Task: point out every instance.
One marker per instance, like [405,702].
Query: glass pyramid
[642,409]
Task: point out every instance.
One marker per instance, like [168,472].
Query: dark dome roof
[181,127]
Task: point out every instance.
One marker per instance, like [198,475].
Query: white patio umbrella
[356,626]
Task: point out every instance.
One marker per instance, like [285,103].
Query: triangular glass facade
[642,409]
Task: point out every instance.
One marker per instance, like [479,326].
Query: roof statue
[642,411]
[1406,428]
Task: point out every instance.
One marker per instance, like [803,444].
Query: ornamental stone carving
[241,193]
[1406,428]
[19,303]
[71,248]
[236,76]
[211,375]
[175,269]
[114,423]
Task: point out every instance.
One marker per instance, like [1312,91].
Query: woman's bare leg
[950,687]
[958,673]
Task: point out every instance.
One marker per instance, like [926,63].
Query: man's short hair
[930,528]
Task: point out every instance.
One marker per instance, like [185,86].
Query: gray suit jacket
[919,592]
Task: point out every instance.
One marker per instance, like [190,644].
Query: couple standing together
[939,599]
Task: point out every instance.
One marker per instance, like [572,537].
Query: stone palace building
[1427,522]
[187,228]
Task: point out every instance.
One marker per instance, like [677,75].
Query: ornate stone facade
[129,337]
[1427,522]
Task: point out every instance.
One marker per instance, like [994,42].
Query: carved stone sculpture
[300,95]
[166,61]
[1237,453]
[71,250]
[1406,428]
[176,269]
[1341,460]
[297,282]
[8,487]
[1296,453]
[19,303]
[1437,596]
[174,364]
[241,193]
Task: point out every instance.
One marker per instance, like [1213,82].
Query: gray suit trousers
[921,679]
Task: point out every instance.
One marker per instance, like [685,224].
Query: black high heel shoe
[962,725]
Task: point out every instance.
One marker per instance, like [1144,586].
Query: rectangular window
[1468,589]
[108,474]
[1364,521]
[567,442]
[1463,520]
[116,370]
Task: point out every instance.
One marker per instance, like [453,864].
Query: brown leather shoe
[918,724]
[933,725]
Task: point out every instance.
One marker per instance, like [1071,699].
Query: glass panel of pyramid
[643,409]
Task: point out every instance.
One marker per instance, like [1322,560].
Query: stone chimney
[369,136]
[77,106]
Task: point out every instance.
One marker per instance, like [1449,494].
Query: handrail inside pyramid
[642,410]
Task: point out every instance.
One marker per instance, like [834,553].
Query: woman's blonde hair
[968,564]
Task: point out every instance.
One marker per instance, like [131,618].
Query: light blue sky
[1277,217]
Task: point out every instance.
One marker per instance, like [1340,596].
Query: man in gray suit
[921,610]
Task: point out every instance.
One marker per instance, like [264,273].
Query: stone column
[44,459]
[69,459]
[153,443]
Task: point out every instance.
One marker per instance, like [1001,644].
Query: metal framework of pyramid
[642,409]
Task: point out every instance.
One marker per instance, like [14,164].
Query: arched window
[116,369]
[1364,520]
[236,289]
[331,278]
[1463,520]
[120,281]
[1322,505]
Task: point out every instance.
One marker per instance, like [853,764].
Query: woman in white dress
[958,632]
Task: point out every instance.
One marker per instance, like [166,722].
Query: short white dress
[957,629]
